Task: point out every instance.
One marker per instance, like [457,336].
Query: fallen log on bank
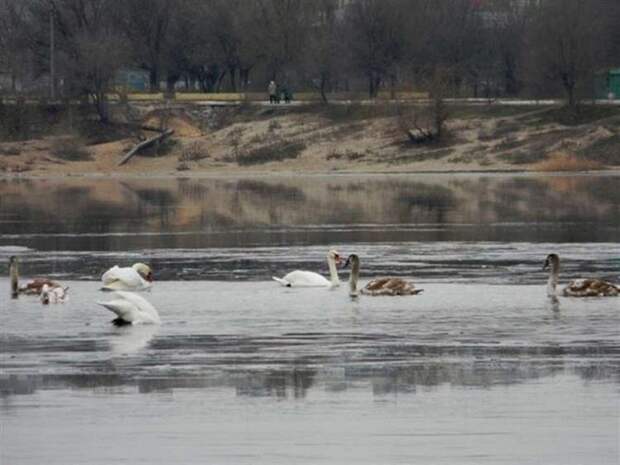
[147,143]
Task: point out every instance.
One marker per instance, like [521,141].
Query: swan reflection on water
[553,303]
[130,339]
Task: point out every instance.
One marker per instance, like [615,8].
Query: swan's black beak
[546,265]
[346,264]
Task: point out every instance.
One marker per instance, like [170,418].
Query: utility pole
[52,63]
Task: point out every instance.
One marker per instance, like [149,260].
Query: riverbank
[329,139]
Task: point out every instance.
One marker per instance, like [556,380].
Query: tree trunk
[101,106]
[570,92]
[144,144]
[171,81]
[154,79]
[244,75]
[323,87]
[373,85]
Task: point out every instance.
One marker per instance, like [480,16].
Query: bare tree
[502,47]
[565,44]
[234,38]
[90,46]
[375,33]
[147,24]
[283,27]
[427,122]
[15,55]
[323,62]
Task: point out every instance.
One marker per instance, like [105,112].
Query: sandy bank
[508,139]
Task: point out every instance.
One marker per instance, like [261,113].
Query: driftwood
[144,144]
[135,126]
[420,136]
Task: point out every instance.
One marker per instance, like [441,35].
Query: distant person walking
[273,92]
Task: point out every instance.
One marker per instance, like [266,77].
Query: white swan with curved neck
[131,309]
[299,278]
[380,286]
[577,287]
[138,277]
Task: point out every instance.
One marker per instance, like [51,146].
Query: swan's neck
[14,280]
[355,274]
[333,272]
[552,282]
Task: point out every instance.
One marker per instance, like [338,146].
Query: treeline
[527,48]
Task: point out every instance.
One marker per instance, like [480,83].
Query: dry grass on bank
[559,161]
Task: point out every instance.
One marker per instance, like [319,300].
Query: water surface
[481,368]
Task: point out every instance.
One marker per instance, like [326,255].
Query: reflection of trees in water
[270,191]
[294,381]
[193,191]
[169,205]
[423,203]
[276,383]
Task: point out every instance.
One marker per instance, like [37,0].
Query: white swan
[135,278]
[577,287]
[53,294]
[299,278]
[131,309]
[380,286]
[35,286]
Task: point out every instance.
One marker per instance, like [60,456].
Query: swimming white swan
[380,286]
[135,278]
[577,287]
[131,309]
[35,286]
[300,278]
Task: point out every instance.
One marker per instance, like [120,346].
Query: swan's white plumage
[299,278]
[132,308]
[53,294]
[124,279]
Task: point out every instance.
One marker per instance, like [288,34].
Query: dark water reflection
[125,214]
[295,382]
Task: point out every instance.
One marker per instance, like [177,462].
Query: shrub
[160,149]
[604,151]
[70,148]
[566,162]
[193,152]
[268,153]
[509,143]
[273,125]
[350,155]
[522,157]
[10,151]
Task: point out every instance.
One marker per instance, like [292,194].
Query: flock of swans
[131,308]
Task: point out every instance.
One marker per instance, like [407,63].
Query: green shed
[614,82]
[608,84]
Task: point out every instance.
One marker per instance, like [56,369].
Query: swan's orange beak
[149,277]
[338,260]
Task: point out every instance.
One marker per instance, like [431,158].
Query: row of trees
[484,47]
